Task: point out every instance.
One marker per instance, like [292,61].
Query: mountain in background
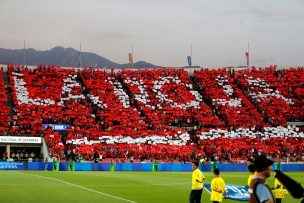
[65,57]
[139,64]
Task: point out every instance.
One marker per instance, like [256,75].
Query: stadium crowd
[161,114]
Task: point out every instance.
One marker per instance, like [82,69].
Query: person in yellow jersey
[202,160]
[252,173]
[279,191]
[217,187]
[197,184]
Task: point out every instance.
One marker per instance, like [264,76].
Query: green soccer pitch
[108,187]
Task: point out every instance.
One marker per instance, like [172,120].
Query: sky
[161,31]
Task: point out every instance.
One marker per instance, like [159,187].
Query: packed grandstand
[162,114]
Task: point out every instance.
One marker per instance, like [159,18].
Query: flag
[189,60]
[131,59]
[247,57]
[233,192]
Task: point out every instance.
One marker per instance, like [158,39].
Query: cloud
[272,10]
[161,30]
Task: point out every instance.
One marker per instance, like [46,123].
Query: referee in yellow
[197,184]
[217,187]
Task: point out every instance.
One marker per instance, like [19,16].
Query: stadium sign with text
[58,127]
[12,166]
[20,140]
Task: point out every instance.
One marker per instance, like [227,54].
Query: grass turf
[110,187]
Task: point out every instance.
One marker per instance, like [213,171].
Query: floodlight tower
[24,52]
[80,56]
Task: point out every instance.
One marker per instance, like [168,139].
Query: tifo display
[162,114]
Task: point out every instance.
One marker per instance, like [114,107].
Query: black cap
[262,162]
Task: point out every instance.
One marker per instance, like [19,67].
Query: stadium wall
[168,167]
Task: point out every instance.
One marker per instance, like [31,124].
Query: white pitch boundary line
[140,185]
[79,186]
[207,190]
[171,184]
[8,184]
